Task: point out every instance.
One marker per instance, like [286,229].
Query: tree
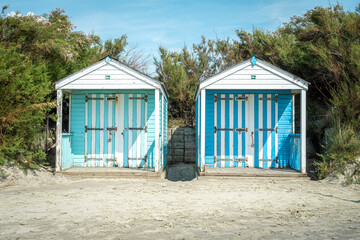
[35,52]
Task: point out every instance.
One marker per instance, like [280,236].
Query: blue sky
[173,23]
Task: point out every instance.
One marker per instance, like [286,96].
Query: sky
[172,23]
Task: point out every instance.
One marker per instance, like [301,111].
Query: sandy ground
[204,208]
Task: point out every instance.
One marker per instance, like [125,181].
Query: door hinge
[111,98]
[222,129]
[241,129]
[216,98]
[141,98]
[87,128]
[267,129]
[241,98]
[276,98]
[87,98]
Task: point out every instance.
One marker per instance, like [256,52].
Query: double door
[116,130]
[245,130]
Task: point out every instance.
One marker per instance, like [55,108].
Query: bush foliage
[35,52]
[341,154]
[321,46]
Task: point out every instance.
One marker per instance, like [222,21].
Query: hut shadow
[180,172]
[181,152]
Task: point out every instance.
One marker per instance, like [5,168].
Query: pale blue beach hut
[245,117]
[117,118]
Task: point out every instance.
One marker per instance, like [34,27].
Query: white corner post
[162,131]
[293,113]
[157,132]
[58,130]
[202,130]
[303,131]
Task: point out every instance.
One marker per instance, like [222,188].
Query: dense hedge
[322,46]
[35,52]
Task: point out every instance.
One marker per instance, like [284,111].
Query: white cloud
[14,14]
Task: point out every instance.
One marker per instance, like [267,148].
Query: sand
[203,208]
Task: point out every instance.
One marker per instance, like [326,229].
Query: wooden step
[108,173]
[274,175]
[252,172]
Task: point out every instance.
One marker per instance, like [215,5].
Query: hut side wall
[198,131]
[164,132]
[197,114]
[78,122]
[284,122]
[161,164]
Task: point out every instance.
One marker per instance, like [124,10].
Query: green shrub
[341,151]
[38,157]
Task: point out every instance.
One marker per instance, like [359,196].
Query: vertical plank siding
[254,132]
[259,114]
[197,131]
[100,114]
[164,132]
[160,131]
[77,128]
[284,128]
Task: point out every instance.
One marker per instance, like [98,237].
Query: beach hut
[245,117]
[117,118]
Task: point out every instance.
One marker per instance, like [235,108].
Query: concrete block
[189,138]
[190,153]
[190,145]
[175,151]
[189,159]
[178,144]
[177,159]
[189,130]
[177,138]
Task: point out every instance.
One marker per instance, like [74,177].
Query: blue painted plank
[227,120]
[134,133]
[106,124]
[97,133]
[273,164]
[90,102]
[236,134]
[256,125]
[142,132]
[126,132]
[218,138]
[114,133]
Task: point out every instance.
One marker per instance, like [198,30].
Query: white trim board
[151,83]
[292,82]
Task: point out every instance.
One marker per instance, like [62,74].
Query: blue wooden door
[100,130]
[245,130]
[266,128]
[135,131]
[230,130]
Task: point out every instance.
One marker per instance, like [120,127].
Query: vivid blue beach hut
[245,117]
[117,118]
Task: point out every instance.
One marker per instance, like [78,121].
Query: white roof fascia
[63,82]
[134,74]
[67,80]
[283,74]
[223,74]
[144,78]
